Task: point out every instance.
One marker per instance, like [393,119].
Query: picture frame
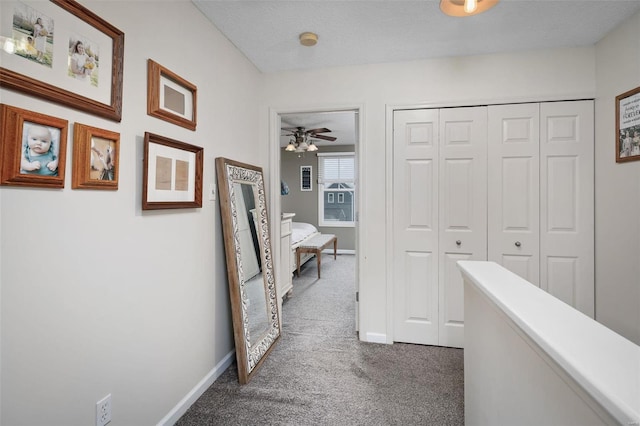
[172,174]
[170,97]
[33,148]
[72,20]
[306,182]
[95,158]
[628,126]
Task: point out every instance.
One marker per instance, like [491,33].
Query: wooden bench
[315,246]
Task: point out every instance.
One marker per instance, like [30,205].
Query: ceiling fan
[300,137]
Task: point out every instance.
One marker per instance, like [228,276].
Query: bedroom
[300,171]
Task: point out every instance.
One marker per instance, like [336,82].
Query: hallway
[320,374]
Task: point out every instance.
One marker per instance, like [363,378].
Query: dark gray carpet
[319,373]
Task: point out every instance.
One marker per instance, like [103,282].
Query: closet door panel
[463,210]
[513,189]
[415,226]
[567,202]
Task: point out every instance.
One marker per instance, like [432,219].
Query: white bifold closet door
[541,196]
[439,217]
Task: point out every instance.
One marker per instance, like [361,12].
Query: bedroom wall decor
[95,158]
[628,126]
[306,178]
[252,282]
[33,148]
[172,174]
[170,97]
[70,33]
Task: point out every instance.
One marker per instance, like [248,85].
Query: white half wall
[617,188]
[98,296]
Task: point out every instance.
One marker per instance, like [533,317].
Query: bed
[301,232]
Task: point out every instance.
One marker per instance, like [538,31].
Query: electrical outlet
[103,411]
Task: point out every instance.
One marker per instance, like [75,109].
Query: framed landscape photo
[64,53]
[33,148]
[95,158]
[172,174]
[170,97]
[628,126]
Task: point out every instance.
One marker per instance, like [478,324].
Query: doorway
[329,206]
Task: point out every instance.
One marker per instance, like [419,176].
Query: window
[336,189]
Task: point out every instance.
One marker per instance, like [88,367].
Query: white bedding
[300,231]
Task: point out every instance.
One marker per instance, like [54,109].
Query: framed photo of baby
[628,126]
[34,148]
[95,158]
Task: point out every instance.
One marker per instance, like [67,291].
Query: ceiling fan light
[459,8]
[291,147]
[312,147]
[303,146]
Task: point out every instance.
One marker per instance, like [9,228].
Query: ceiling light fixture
[308,39]
[466,7]
[291,147]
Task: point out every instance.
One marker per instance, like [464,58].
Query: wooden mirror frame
[249,355]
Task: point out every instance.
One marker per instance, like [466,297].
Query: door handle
[458,243]
[518,244]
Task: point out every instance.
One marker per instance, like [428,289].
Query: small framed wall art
[628,126]
[305,178]
[172,174]
[95,158]
[170,97]
[33,148]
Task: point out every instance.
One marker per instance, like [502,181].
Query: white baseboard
[178,411]
[376,337]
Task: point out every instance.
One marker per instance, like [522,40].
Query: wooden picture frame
[628,126]
[95,158]
[72,20]
[172,174]
[170,97]
[26,159]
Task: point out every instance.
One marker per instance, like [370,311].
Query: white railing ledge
[604,364]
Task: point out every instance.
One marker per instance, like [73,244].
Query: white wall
[99,297]
[540,75]
[617,188]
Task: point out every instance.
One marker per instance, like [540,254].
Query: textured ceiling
[373,31]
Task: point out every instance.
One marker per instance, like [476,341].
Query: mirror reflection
[252,286]
[256,298]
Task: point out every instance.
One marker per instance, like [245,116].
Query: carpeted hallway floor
[319,373]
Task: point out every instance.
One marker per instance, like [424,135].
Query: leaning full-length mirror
[252,285]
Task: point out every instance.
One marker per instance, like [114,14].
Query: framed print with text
[628,126]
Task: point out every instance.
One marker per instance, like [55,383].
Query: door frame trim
[274,190]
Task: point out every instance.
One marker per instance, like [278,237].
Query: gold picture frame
[95,158]
[170,97]
[31,78]
[33,148]
[628,126]
[172,174]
